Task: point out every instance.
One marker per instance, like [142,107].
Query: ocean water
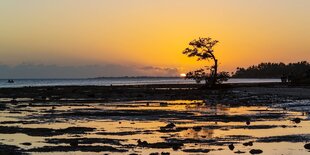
[113,81]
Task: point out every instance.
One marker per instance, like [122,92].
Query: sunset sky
[148,36]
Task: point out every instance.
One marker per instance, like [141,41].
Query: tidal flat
[155,119]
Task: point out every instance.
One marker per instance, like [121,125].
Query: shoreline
[275,88]
[237,94]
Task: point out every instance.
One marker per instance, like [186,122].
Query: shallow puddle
[177,127]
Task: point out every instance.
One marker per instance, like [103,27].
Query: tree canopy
[203,49]
[273,70]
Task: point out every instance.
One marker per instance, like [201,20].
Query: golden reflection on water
[199,108]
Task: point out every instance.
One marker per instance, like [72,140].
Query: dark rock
[285,138]
[307,146]
[81,148]
[231,147]
[155,153]
[168,127]
[196,150]
[163,104]
[2,106]
[74,143]
[296,120]
[248,122]
[142,143]
[11,150]
[44,131]
[248,144]
[122,133]
[165,153]
[239,152]
[256,151]
[83,141]
[161,145]
[14,101]
[197,128]
[26,144]
[176,146]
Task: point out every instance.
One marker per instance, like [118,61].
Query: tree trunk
[214,78]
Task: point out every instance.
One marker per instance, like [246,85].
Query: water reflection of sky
[148,130]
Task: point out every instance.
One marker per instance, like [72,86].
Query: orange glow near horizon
[182,75]
[153,33]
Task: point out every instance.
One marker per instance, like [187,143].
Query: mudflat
[156,91]
[268,118]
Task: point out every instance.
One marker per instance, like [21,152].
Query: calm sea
[113,81]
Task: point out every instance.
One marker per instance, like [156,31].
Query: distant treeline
[274,70]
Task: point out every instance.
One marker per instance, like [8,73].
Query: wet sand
[155,119]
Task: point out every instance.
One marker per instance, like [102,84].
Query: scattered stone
[10,150]
[296,120]
[176,147]
[168,127]
[44,132]
[248,122]
[160,145]
[256,151]
[74,143]
[197,150]
[82,148]
[248,144]
[239,152]
[285,138]
[122,133]
[142,143]
[307,146]
[231,147]
[14,101]
[197,128]
[26,144]
[2,106]
[163,104]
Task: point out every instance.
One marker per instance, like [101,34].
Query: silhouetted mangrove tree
[202,48]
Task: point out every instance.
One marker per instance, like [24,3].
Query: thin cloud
[28,70]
